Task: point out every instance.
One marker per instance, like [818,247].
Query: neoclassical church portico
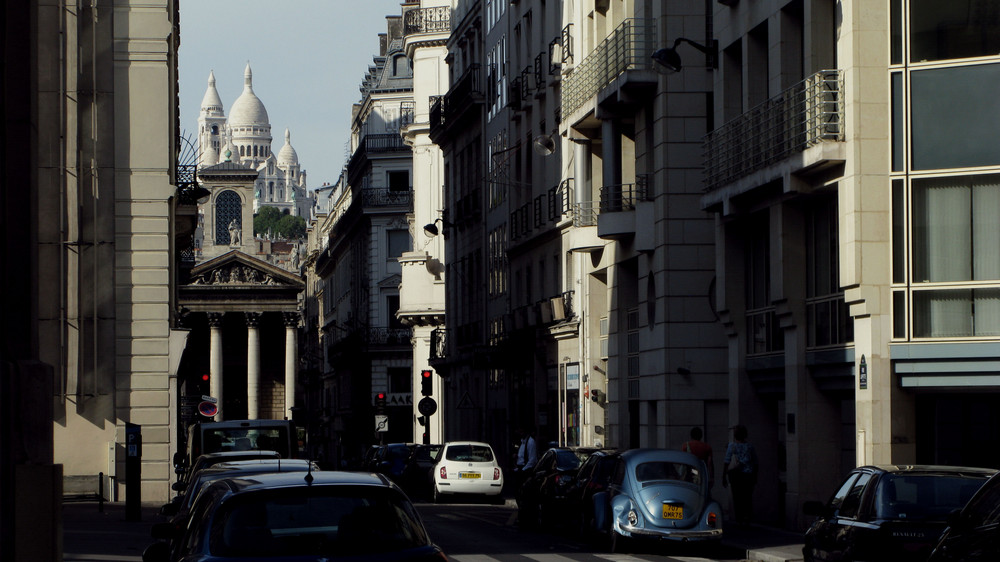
[243,312]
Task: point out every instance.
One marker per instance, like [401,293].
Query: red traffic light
[426,382]
[204,377]
[380,396]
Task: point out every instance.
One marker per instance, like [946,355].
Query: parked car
[178,513]
[468,468]
[418,475]
[657,494]
[889,512]
[593,476]
[305,518]
[391,460]
[541,498]
[973,533]
[207,460]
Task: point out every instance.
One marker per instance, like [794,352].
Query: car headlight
[633,518]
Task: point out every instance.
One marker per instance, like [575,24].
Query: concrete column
[253,365]
[291,359]
[215,360]
[611,170]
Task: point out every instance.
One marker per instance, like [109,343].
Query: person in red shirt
[702,450]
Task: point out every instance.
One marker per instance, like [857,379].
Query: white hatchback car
[467,467]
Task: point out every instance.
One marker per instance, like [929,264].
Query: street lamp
[668,61]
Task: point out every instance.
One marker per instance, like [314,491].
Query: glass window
[852,501]
[898,134]
[956,313]
[954,124]
[398,241]
[898,231]
[956,229]
[469,453]
[841,493]
[228,211]
[953,29]
[399,180]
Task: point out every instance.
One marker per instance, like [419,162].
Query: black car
[542,495]
[889,512]
[593,476]
[417,479]
[973,534]
[391,460]
[301,517]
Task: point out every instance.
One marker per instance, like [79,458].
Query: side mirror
[815,508]
[156,552]
[178,486]
[179,459]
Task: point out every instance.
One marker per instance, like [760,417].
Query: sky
[308,59]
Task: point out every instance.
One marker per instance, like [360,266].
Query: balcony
[384,144]
[621,60]
[798,131]
[439,343]
[427,20]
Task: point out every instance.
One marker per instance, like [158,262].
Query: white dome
[287,155]
[248,109]
[211,104]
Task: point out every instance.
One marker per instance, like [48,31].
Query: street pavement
[94,532]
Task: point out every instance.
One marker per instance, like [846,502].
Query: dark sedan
[302,517]
[889,512]
[594,476]
[542,496]
[973,534]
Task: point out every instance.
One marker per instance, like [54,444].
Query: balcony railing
[802,116]
[382,197]
[623,197]
[383,142]
[585,213]
[427,20]
[439,343]
[627,48]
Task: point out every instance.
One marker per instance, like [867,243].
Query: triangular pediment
[236,269]
[391,282]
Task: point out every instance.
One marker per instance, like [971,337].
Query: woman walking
[741,471]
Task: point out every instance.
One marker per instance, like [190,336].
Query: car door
[848,524]
[822,536]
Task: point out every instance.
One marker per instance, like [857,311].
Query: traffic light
[597,396]
[426,382]
[203,384]
[380,402]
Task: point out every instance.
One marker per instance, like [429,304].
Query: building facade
[90,197]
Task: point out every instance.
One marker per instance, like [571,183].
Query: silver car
[657,494]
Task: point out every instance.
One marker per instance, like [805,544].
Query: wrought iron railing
[427,20]
[566,44]
[539,73]
[383,142]
[388,336]
[804,115]
[438,113]
[627,48]
[382,197]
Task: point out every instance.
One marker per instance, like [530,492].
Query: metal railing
[439,343]
[382,197]
[623,197]
[627,48]
[804,115]
[585,213]
[427,20]
[383,142]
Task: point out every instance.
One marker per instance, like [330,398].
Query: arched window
[215,129]
[255,150]
[228,208]
[241,151]
[270,190]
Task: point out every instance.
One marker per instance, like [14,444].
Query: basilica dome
[247,109]
[287,155]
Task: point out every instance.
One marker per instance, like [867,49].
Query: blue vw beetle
[657,494]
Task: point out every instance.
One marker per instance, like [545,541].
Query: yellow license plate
[673,511]
[468,475]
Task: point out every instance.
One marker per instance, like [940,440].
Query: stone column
[215,360]
[291,359]
[253,365]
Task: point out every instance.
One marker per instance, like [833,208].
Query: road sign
[427,406]
[381,423]
[208,409]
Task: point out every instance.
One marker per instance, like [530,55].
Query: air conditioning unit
[558,309]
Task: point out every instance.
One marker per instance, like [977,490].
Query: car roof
[274,480]
[649,454]
[480,443]
[929,469]
[265,453]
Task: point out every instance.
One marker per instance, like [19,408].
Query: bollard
[100,492]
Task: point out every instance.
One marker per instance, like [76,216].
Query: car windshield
[469,453]
[658,471]
[242,439]
[923,497]
[316,521]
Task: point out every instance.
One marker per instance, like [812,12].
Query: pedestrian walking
[741,472]
[702,450]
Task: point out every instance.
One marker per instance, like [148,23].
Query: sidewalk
[90,534]
[764,544]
